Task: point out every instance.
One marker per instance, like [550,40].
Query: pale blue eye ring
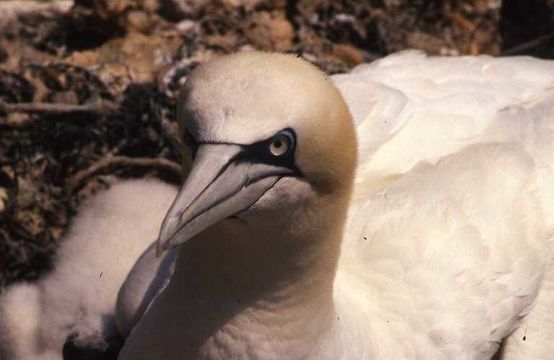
[280,144]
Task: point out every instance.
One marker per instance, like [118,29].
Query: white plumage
[459,244]
[439,105]
[447,245]
[78,297]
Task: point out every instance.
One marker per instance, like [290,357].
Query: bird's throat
[269,298]
[242,292]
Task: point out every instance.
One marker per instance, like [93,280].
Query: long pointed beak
[219,185]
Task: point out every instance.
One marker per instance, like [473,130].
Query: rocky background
[88,87]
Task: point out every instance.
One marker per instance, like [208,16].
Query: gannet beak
[220,184]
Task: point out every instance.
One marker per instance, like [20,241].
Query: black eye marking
[278,150]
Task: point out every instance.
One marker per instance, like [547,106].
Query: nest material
[88,89]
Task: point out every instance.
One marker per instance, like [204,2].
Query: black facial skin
[259,152]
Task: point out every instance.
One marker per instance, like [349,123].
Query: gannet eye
[280,145]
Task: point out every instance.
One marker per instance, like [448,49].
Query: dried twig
[545,41]
[100,107]
[158,163]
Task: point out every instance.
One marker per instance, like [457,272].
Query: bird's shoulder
[410,107]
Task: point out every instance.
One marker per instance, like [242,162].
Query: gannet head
[272,134]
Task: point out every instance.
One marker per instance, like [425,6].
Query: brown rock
[145,55]
[84,58]
[281,33]
[349,54]
[271,31]
[248,4]
[16,119]
[138,21]
[136,57]
[426,42]
[66,97]
[227,42]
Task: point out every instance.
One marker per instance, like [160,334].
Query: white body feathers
[452,222]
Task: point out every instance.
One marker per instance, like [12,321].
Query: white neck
[241,292]
[264,296]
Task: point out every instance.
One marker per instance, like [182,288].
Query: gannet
[418,228]
[432,240]
[78,298]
